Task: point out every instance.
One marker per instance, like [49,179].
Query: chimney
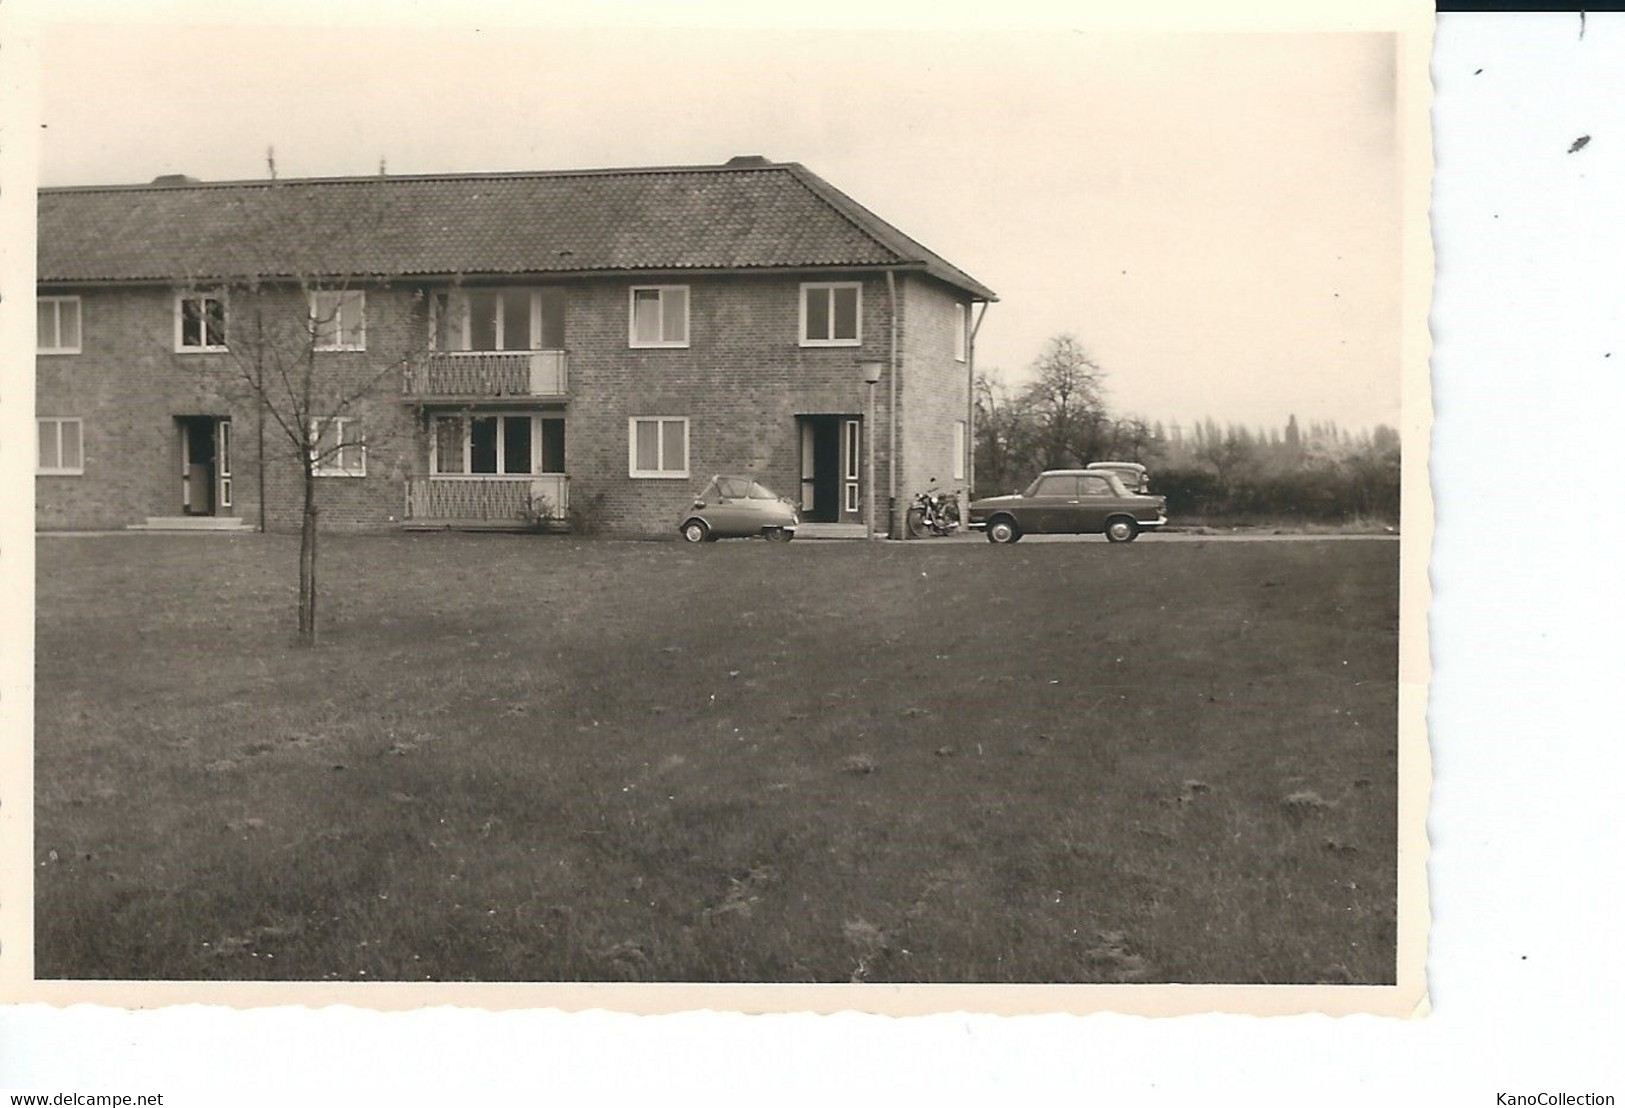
[751,161]
[175,179]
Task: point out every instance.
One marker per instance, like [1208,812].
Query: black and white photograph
[879,514]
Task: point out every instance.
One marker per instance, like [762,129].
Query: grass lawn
[529,758]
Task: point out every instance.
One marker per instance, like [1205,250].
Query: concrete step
[190,523]
[830,531]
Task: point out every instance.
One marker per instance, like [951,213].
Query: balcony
[488,503]
[465,376]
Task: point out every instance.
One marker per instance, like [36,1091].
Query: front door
[820,469]
[205,455]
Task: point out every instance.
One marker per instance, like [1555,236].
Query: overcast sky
[1216,217]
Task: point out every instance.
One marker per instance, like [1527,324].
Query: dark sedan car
[1069,502]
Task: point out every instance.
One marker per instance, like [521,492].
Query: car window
[1055,486]
[759,491]
[1097,486]
[733,488]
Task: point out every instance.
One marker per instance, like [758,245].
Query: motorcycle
[935,512]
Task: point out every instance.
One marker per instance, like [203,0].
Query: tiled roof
[756,215]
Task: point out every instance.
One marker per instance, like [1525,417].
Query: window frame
[328,467]
[79,322]
[538,445]
[225,322]
[632,340]
[660,422]
[831,287]
[961,438]
[961,331]
[457,306]
[360,296]
[59,470]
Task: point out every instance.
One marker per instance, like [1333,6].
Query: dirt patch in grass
[547,759]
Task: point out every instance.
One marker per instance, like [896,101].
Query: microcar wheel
[696,531]
[1002,530]
[1121,530]
[779,534]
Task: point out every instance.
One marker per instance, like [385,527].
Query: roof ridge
[403,178]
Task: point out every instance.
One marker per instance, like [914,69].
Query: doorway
[831,453]
[205,456]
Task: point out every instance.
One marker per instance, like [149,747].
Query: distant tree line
[1316,473]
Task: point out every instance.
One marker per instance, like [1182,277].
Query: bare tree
[1066,401]
[1230,455]
[299,339]
[1003,433]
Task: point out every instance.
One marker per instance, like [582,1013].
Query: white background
[1524,969]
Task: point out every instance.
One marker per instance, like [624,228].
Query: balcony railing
[488,500]
[491,375]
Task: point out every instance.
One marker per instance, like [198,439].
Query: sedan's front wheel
[1002,531]
[780,534]
[1121,530]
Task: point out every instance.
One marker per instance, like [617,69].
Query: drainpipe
[970,415]
[892,529]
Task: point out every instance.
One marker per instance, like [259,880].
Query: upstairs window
[831,314]
[961,331]
[338,320]
[659,316]
[61,447]
[339,450]
[58,330]
[200,322]
[490,320]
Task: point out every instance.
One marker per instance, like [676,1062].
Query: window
[496,445]
[61,446]
[658,446]
[1095,486]
[488,320]
[200,322]
[831,314]
[339,319]
[959,450]
[58,330]
[339,450]
[961,331]
[1062,485]
[659,316]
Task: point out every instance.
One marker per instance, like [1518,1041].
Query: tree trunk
[307,564]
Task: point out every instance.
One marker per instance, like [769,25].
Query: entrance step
[190,523]
[830,531]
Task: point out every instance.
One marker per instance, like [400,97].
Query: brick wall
[128,385]
[741,382]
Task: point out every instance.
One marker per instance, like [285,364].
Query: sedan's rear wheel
[1002,530]
[780,534]
[695,530]
[1121,529]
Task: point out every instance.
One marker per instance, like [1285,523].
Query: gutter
[892,528]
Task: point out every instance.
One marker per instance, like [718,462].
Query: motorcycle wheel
[917,526]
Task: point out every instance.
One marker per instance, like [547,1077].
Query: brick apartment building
[592,344]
